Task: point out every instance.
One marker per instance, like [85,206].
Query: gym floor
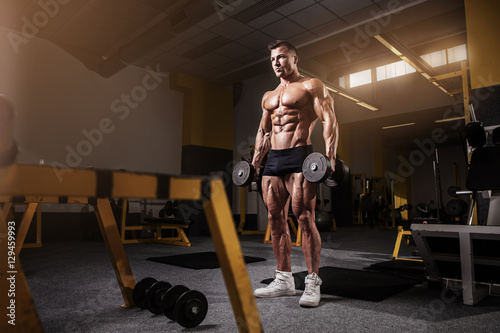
[75,290]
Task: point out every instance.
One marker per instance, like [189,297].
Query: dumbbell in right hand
[243,174]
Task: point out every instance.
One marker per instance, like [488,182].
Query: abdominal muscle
[289,130]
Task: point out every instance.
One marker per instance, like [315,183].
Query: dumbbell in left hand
[317,169]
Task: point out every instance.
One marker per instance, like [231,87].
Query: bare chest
[291,98]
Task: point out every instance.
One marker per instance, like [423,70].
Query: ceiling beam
[406,54]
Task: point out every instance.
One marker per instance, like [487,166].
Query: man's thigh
[302,192]
[274,193]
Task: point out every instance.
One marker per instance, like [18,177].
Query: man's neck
[293,77]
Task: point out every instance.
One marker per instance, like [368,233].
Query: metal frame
[243,213]
[97,186]
[473,291]
[402,234]
[181,239]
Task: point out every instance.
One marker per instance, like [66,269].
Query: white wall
[58,100]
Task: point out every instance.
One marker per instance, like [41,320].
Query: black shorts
[284,161]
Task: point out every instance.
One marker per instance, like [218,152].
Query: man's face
[283,61]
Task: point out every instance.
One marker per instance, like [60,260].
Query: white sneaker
[282,285]
[312,294]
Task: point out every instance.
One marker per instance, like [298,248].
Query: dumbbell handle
[463,192]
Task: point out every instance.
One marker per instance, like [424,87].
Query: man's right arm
[263,138]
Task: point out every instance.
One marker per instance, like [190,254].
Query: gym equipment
[452,191]
[495,136]
[474,131]
[243,173]
[171,208]
[139,291]
[456,207]
[95,187]
[191,308]
[317,168]
[324,221]
[170,297]
[188,307]
[154,296]
[461,257]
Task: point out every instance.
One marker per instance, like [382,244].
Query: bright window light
[457,53]
[342,81]
[360,78]
[381,73]
[395,69]
[447,56]
[435,59]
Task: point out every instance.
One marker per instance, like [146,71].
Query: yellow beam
[404,54]
[116,252]
[227,246]
[33,181]
[26,181]
[22,315]
[448,75]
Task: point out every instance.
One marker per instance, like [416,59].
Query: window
[435,59]
[457,53]
[360,78]
[446,56]
[342,81]
[398,68]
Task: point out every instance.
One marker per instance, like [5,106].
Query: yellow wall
[208,112]
[483,41]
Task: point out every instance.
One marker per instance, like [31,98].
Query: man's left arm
[323,106]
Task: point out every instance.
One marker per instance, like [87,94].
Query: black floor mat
[358,284]
[200,260]
[401,268]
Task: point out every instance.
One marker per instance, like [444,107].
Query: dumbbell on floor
[317,168]
[179,303]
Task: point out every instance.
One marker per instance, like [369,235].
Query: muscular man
[289,114]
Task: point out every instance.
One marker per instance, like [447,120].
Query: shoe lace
[310,288]
[274,283]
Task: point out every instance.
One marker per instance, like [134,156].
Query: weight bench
[159,224]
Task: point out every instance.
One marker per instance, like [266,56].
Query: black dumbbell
[179,303]
[139,292]
[243,173]
[317,168]
[474,130]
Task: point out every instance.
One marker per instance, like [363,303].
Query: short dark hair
[281,42]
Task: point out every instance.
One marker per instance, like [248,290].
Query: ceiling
[225,41]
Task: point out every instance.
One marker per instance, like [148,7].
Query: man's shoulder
[313,83]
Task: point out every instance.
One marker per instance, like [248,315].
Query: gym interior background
[174,87]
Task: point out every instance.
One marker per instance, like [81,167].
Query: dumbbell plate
[243,173]
[316,168]
[154,296]
[170,298]
[452,191]
[139,292]
[341,175]
[191,309]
